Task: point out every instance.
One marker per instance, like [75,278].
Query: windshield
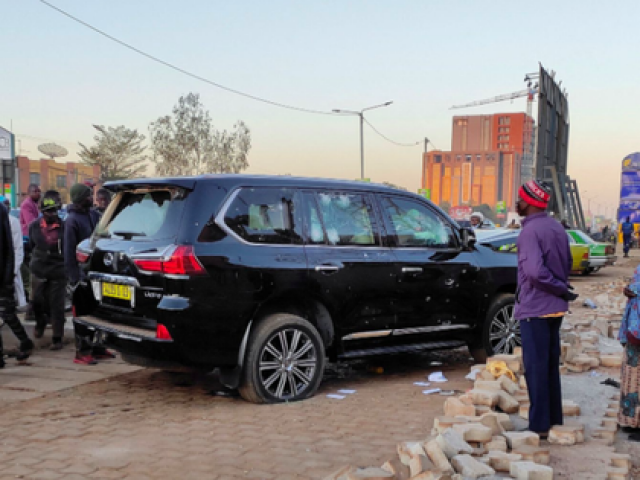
[584,237]
[142,214]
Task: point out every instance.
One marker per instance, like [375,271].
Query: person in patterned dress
[629,336]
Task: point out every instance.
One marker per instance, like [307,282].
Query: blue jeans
[541,356]
[626,243]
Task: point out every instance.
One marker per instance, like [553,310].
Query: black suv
[268,277]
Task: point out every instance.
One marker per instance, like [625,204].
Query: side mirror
[468,238]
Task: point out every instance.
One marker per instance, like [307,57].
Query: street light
[361,115]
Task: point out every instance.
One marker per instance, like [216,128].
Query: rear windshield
[143,214]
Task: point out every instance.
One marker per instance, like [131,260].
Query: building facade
[52,175]
[472,177]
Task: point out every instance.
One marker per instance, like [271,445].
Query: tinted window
[143,214]
[264,215]
[415,225]
[347,218]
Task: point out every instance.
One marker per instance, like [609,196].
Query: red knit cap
[535,193]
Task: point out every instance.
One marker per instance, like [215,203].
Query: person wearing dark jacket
[79,225]
[542,300]
[46,238]
[7,290]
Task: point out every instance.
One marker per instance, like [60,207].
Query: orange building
[52,175]
[472,177]
[501,131]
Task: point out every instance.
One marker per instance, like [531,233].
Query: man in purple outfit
[542,299]
[29,209]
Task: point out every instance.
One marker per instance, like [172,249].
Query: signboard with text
[630,189]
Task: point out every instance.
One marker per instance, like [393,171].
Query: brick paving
[152,424]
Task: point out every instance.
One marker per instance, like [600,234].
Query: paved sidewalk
[46,372]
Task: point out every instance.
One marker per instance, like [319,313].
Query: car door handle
[411,269]
[328,267]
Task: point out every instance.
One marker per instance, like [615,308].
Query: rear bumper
[597,262]
[611,259]
[138,346]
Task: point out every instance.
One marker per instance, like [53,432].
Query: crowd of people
[46,244]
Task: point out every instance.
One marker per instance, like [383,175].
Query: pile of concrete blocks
[609,425]
[580,353]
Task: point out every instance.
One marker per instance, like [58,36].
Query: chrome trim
[440,328]
[117,279]
[372,334]
[176,277]
[411,269]
[326,268]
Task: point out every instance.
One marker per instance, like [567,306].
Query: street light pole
[361,115]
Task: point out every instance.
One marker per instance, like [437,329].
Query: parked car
[487,224]
[600,254]
[266,278]
[504,240]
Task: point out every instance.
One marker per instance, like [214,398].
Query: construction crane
[530,92]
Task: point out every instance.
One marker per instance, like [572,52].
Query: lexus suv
[268,277]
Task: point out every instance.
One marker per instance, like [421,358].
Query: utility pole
[361,115]
[426,143]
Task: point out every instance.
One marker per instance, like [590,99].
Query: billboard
[6,144]
[630,189]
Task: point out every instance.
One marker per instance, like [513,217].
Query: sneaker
[85,360]
[102,353]
[56,346]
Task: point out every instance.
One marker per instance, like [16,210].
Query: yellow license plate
[121,292]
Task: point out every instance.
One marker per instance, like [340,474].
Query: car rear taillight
[585,256]
[82,257]
[162,333]
[182,262]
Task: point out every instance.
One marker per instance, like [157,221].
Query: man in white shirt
[18,248]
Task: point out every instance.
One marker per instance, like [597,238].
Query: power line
[181,70]
[387,138]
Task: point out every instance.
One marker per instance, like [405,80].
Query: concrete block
[482,409]
[501,461]
[454,407]
[523,411]
[451,443]
[612,360]
[440,424]
[493,385]
[531,471]
[566,434]
[621,460]
[485,375]
[398,469]
[484,397]
[419,464]
[516,439]
[340,473]
[540,455]
[508,385]
[614,473]
[469,467]
[474,432]
[497,444]
[406,450]
[507,403]
[437,456]
[611,412]
[522,383]
[570,408]
[492,421]
[608,434]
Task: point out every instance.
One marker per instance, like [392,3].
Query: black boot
[26,348]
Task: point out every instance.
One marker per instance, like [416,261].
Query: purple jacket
[544,263]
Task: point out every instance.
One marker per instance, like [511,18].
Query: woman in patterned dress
[629,336]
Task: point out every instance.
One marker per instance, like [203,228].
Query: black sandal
[611,382]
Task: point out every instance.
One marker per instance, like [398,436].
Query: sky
[60,77]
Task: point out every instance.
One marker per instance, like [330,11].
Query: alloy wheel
[504,334]
[288,363]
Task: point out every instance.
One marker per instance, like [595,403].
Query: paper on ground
[422,384]
[429,392]
[473,375]
[346,392]
[337,397]
[437,377]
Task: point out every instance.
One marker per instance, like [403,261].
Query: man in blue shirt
[627,231]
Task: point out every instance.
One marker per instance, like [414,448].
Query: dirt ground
[151,424]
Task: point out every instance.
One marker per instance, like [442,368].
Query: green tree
[446,206]
[487,211]
[117,151]
[186,142]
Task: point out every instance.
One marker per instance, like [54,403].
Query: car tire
[500,331]
[284,362]
[588,271]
